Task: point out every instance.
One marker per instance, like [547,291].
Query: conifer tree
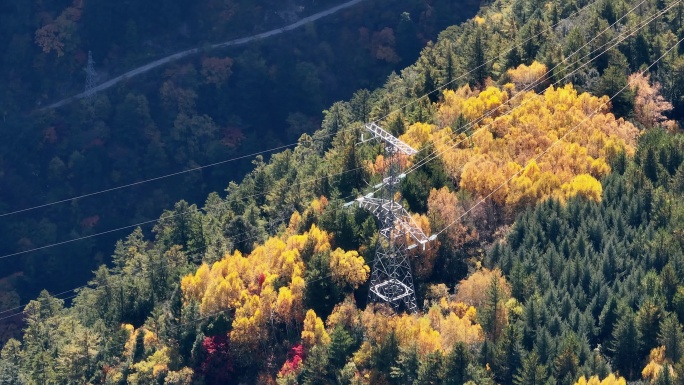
[626,346]
[531,372]
[672,337]
[456,365]
[408,362]
[430,369]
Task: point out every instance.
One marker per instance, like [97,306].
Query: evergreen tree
[672,337]
[429,87]
[405,371]
[341,344]
[566,364]
[531,372]
[456,365]
[314,370]
[10,363]
[386,354]
[614,84]
[361,106]
[139,348]
[477,61]
[608,318]
[491,315]
[648,323]
[626,346]
[665,377]
[430,369]
[397,126]
[508,356]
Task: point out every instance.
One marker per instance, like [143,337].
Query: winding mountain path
[244,40]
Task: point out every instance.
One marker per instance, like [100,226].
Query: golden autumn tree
[473,290]
[265,286]
[656,365]
[520,147]
[345,314]
[348,268]
[584,185]
[525,76]
[594,380]
[314,332]
[439,330]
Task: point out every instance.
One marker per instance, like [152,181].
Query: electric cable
[618,39]
[535,158]
[400,108]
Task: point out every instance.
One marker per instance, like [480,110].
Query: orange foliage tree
[60,33]
[444,209]
[649,104]
[216,71]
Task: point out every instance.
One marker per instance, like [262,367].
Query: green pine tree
[672,337]
[626,346]
[531,372]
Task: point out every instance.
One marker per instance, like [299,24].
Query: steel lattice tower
[391,277]
[91,76]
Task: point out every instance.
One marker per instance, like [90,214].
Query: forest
[550,169]
[199,111]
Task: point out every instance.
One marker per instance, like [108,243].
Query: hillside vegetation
[207,108]
[554,188]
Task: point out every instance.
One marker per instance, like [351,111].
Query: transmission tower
[91,76]
[391,278]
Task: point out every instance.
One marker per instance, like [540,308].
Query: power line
[433,155]
[309,282]
[87,285]
[232,239]
[149,180]
[198,168]
[491,193]
[156,220]
[400,108]
[551,28]
[535,158]
[167,217]
[110,284]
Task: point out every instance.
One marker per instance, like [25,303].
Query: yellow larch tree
[584,185]
[656,364]
[345,314]
[150,370]
[314,332]
[473,290]
[267,285]
[520,147]
[249,325]
[348,268]
[525,76]
[594,380]
[439,329]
